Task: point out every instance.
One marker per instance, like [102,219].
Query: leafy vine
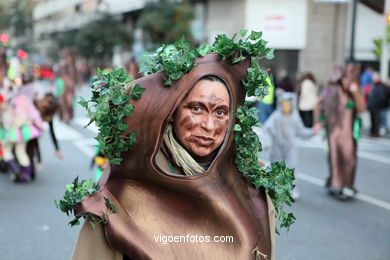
[77,192]
[110,104]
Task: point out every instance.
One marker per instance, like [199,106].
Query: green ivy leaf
[123,127]
[270,54]
[110,206]
[243,32]
[137,91]
[237,128]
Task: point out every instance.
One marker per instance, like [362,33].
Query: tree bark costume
[68,72]
[151,202]
[341,128]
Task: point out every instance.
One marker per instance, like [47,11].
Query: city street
[32,228]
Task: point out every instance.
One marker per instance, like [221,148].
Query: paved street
[32,228]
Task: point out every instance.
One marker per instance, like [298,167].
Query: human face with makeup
[201,120]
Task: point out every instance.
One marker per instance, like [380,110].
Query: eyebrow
[201,104]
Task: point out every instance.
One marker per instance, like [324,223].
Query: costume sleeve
[301,130]
[33,112]
[91,245]
[269,125]
[271,217]
[53,135]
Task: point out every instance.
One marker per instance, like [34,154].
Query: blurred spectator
[378,101]
[266,105]
[133,69]
[308,98]
[341,102]
[366,82]
[284,81]
[366,77]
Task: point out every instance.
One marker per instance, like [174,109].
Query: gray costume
[283,130]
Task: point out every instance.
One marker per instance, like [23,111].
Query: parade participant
[341,102]
[182,175]
[3,164]
[68,74]
[47,107]
[22,122]
[284,126]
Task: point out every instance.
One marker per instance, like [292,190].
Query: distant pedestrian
[284,81]
[266,105]
[378,101]
[341,102]
[308,97]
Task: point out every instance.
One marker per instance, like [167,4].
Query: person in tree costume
[192,167]
[340,103]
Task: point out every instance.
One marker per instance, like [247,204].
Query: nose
[208,123]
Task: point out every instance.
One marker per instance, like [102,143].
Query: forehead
[209,90]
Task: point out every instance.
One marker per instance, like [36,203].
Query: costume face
[201,121]
[286,107]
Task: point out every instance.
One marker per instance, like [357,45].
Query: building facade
[308,35]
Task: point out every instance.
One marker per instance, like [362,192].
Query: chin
[202,152]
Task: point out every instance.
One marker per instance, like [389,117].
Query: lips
[203,141]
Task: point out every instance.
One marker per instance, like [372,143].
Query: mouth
[203,141]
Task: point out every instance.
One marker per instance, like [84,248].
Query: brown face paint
[201,121]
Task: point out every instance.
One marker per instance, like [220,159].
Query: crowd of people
[30,98]
[337,108]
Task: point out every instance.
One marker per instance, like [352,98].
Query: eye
[196,109]
[221,113]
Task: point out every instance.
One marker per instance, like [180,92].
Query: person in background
[266,105]
[284,126]
[47,107]
[366,82]
[3,164]
[378,101]
[22,122]
[284,81]
[340,103]
[308,97]
[133,69]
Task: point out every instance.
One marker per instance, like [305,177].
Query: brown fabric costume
[339,120]
[151,203]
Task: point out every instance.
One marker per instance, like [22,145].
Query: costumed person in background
[3,164]
[284,126]
[133,69]
[68,74]
[308,97]
[47,107]
[180,177]
[3,74]
[341,102]
[22,122]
